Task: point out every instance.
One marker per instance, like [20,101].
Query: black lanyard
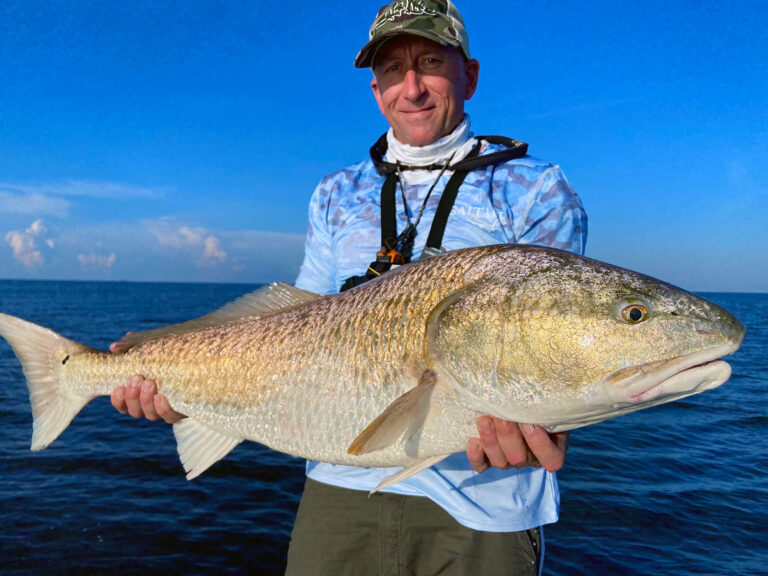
[389,237]
[396,250]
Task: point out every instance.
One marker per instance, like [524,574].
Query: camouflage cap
[436,20]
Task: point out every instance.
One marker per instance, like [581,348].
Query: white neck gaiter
[455,146]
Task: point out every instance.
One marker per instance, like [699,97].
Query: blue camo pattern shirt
[526,201]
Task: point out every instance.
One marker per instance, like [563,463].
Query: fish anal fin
[200,446]
[52,421]
[266,301]
[401,418]
[409,471]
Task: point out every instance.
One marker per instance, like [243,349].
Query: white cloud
[36,204]
[54,199]
[94,262]
[36,228]
[169,234]
[24,244]
[213,251]
[24,249]
[198,242]
[191,237]
[88,188]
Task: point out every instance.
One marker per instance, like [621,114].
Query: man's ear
[377,94]
[472,70]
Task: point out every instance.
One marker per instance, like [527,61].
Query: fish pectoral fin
[401,418]
[266,301]
[409,471]
[200,447]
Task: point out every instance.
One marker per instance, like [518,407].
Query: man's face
[421,87]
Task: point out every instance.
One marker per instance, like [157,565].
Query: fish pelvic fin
[200,446]
[409,471]
[266,301]
[42,352]
[400,419]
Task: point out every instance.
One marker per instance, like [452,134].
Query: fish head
[582,341]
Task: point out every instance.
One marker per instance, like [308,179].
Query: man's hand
[141,400]
[504,445]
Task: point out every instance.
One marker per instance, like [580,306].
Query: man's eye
[430,61]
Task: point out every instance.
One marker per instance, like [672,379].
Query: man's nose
[413,88]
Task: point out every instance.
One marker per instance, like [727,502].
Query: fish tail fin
[41,352]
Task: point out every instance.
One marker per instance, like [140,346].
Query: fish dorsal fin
[266,301]
[276,297]
[399,420]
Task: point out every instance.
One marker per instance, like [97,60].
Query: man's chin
[424,127]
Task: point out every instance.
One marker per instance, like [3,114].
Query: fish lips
[667,380]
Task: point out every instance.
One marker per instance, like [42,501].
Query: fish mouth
[668,380]
[636,387]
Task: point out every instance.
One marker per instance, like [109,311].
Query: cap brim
[364,58]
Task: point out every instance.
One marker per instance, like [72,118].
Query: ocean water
[680,489]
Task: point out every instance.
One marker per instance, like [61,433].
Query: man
[446,519]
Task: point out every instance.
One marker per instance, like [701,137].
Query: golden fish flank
[396,371]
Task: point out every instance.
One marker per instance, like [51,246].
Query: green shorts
[344,532]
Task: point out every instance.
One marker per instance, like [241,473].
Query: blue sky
[181,141]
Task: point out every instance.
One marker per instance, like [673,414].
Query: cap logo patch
[404,8]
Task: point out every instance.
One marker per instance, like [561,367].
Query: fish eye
[634,313]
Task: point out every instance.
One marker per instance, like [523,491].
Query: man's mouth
[417,112]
